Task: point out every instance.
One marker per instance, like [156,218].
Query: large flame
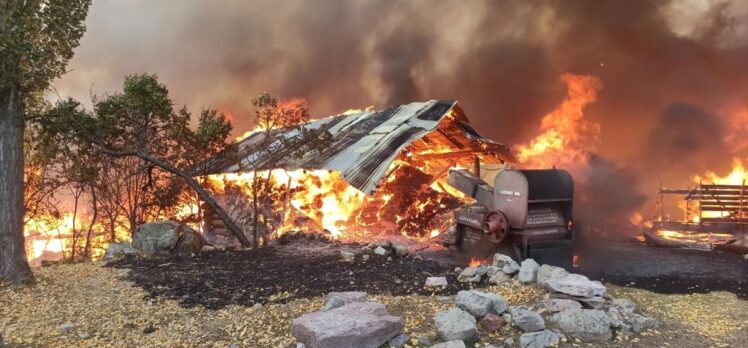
[567,137]
[738,175]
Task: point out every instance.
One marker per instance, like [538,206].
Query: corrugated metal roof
[364,144]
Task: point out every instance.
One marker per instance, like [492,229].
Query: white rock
[456,324]
[585,324]
[499,260]
[500,278]
[577,285]
[470,275]
[436,282]
[491,270]
[381,251]
[540,339]
[526,319]
[547,272]
[528,271]
[480,303]
[339,299]
[560,305]
[469,272]
[510,268]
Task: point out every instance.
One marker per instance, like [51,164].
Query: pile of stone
[500,271]
[384,248]
[459,325]
[574,306]
[348,320]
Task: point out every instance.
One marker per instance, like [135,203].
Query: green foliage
[37,38]
[140,120]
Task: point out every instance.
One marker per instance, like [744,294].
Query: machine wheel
[496,226]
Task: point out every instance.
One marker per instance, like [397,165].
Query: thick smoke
[502,60]
[689,139]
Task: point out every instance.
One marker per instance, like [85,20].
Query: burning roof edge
[364,145]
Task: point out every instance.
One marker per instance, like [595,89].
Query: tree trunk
[204,195]
[95,207]
[14,268]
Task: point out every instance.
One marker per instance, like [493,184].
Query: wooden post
[476,165]
[741,214]
[688,205]
[701,219]
[662,210]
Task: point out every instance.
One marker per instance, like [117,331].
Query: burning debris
[715,215]
[384,172]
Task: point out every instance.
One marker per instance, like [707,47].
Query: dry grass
[111,312]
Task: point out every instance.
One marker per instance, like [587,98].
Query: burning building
[383,172]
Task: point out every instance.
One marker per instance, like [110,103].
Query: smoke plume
[660,62]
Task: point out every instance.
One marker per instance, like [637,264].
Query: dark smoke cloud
[608,197]
[501,59]
[689,139]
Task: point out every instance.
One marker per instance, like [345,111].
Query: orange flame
[475,262]
[567,137]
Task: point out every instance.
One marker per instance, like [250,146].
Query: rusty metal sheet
[364,144]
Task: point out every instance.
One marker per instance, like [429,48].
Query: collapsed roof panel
[365,144]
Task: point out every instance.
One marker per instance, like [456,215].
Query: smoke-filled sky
[674,73]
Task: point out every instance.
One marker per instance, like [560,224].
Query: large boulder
[358,324]
[117,250]
[480,303]
[548,272]
[456,324]
[340,299]
[576,285]
[190,242]
[165,236]
[540,339]
[585,324]
[528,271]
[527,320]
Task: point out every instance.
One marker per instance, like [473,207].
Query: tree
[37,38]
[140,123]
[272,116]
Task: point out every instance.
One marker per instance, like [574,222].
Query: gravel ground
[111,311]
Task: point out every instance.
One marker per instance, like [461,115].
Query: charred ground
[279,274]
[308,269]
